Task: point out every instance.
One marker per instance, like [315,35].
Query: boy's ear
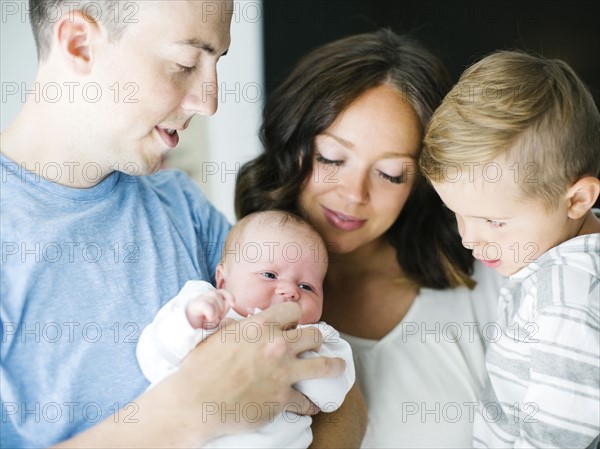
[220,276]
[76,34]
[582,195]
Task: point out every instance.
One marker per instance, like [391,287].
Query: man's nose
[202,95]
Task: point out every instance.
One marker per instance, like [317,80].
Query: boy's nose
[470,238]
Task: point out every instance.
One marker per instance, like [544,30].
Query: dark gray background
[460,32]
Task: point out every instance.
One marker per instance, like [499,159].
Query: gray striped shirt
[543,387]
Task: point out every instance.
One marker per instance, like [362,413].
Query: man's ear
[76,34]
[582,195]
[220,276]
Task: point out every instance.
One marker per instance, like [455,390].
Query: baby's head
[272,257]
[513,151]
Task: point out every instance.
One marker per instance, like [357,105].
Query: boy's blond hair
[532,111]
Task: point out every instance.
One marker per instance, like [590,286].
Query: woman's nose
[354,188]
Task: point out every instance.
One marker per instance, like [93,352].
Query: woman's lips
[171,139]
[342,221]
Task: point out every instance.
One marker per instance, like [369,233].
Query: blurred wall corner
[213,149]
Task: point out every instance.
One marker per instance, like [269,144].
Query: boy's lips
[169,136]
[490,263]
[342,221]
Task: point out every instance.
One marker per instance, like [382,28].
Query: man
[90,251]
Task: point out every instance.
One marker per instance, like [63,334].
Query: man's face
[155,78]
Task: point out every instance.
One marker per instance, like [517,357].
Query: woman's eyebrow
[386,155]
[396,154]
[339,139]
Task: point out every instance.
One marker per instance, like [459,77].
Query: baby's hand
[206,311]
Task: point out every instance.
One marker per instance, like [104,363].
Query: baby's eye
[495,224]
[306,287]
[269,275]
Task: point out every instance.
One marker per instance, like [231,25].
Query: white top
[422,380]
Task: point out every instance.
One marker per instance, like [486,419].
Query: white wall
[18,61]
[233,131]
[212,149]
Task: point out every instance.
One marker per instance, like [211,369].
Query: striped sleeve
[564,387]
[544,371]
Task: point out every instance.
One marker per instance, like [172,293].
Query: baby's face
[273,265]
[505,230]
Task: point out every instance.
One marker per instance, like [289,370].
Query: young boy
[268,258]
[514,152]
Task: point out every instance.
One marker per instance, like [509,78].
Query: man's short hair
[113,14]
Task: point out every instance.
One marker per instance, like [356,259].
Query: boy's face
[502,228]
[270,265]
[155,78]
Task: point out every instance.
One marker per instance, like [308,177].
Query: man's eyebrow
[201,45]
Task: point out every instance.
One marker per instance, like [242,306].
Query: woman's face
[364,169]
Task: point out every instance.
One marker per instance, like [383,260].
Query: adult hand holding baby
[261,355]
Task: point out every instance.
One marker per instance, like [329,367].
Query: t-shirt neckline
[99,191]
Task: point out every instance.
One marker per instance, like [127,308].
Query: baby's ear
[582,195]
[220,276]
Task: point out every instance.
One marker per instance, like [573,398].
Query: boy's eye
[306,287]
[326,161]
[269,275]
[495,224]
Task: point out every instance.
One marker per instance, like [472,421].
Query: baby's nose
[288,291]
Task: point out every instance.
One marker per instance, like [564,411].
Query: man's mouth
[169,136]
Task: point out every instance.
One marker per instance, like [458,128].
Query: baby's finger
[227,298]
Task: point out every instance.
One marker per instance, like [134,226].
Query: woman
[342,135]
